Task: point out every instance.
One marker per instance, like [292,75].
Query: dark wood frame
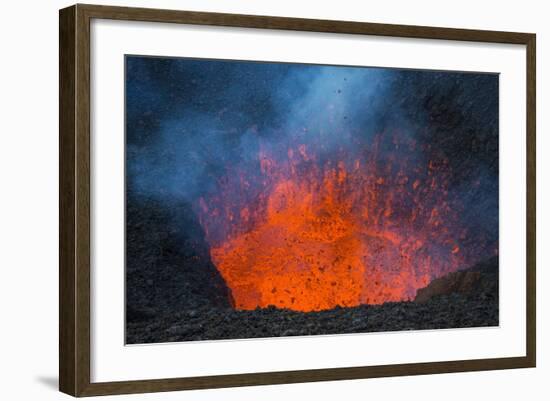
[74,200]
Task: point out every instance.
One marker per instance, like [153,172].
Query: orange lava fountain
[308,234]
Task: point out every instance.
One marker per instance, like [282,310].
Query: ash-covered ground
[445,312]
[453,311]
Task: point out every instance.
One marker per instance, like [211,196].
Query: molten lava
[310,230]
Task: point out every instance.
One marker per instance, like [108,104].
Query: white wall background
[29,184]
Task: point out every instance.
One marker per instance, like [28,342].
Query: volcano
[271,199]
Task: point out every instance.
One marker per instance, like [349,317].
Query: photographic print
[269,199]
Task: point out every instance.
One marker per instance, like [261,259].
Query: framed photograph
[250,200]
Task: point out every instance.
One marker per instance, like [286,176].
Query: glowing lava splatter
[308,231]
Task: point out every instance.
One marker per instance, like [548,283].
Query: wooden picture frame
[74,205]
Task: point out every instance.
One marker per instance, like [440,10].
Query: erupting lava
[309,232]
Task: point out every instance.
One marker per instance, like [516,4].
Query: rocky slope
[463,299]
[168,267]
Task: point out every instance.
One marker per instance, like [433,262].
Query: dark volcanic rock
[480,280]
[461,282]
[168,267]
[476,308]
